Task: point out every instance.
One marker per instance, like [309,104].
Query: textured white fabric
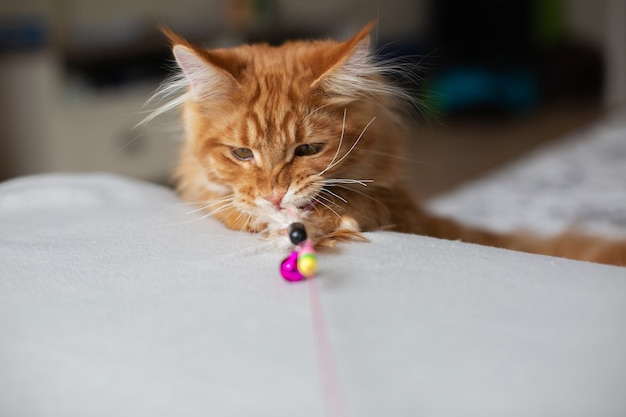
[116,299]
[579,182]
[116,302]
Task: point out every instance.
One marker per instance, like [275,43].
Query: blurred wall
[85,65]
[75,73]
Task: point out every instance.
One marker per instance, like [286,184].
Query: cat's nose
[276,197]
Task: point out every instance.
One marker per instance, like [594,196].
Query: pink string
[334,399]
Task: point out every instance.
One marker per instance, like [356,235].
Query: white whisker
[361,193]
[328,207]
[326,190]
[343,130]
[334,181]
[315,110]
[200,218]
[228,206]
[246,223]
[356,142]
[209,204]
[329,200]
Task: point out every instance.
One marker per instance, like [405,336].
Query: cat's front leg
[334,229]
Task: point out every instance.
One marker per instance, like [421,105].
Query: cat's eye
[308,149]
[243,154]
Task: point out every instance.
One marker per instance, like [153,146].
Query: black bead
[297,233]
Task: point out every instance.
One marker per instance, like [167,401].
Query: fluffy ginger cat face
[308,131]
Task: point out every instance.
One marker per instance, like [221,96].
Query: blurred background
[498,77]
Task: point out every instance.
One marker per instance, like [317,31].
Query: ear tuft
[357,62]
[207,82]
[359,47]
[351,72]
[347,56]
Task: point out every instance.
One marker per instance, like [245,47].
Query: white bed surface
[116,302]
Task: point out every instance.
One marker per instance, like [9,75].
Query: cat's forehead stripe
[245,133]
[254,126]
[273,113]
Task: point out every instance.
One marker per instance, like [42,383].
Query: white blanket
[575,183]
[116,301]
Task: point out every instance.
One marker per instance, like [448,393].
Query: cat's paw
[345,229]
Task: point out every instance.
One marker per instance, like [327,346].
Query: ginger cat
[312,132]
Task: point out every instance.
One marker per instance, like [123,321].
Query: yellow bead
[307,264]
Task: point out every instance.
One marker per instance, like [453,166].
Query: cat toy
[302,262]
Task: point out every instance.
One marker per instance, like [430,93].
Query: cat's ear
[207,79]
[347,62]
[211,74]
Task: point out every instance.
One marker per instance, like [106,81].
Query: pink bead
[289,268]
[307,247]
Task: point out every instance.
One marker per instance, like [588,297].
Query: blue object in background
[25,33]
[468,88]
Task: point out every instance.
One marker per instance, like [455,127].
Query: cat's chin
[280,219]
[276,235]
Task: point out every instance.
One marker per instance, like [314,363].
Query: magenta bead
[289,268]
